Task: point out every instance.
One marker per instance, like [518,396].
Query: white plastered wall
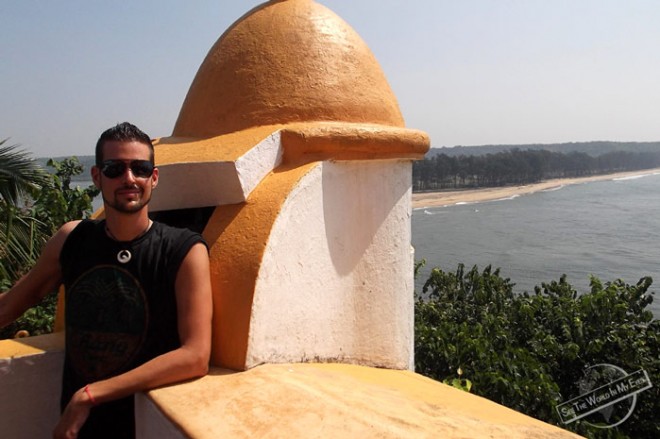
[336,280]
[151,423]
[30,387]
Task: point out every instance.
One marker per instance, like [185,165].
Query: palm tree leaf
[20,175]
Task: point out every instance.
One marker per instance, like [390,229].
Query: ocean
[609,229]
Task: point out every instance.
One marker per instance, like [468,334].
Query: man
[138,295]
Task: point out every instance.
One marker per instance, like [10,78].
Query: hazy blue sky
[468,72]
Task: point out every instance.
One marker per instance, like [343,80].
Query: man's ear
[154,179]
[96,177]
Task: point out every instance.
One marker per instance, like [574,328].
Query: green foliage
[20,233]
[459,383]
[593,148]
[529,351]
[58,202]
[20,176]
[18,236]
[24,229]
[37,320]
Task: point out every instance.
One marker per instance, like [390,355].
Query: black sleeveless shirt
[120,311]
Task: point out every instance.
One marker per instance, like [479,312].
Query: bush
[37,320]
[55,203]
[529,351]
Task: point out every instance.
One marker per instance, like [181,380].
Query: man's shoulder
[176,242]
[57,242]
[76,234]
[179,234]
[66,229]
[78,226]
[166,228]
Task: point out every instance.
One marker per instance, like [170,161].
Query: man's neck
[126,227]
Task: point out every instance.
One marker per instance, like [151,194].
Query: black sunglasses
[115,168]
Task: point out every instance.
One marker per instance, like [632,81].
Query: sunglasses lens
[113,169]
[142,168]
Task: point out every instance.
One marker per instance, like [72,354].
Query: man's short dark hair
[123,132]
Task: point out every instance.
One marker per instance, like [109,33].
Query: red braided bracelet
[91,398]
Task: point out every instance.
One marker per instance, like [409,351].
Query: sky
[468,72]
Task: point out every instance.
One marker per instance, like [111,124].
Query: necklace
[124,256]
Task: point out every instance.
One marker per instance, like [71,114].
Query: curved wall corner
[336,280]
[238,235]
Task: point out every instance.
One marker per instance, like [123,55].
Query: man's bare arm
[43,278]
[194,308]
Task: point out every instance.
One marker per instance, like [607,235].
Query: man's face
[126,193]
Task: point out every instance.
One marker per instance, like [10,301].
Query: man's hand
[74,416]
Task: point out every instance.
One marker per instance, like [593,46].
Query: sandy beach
[448,198]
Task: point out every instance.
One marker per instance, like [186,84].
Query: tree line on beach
[519,167]
[593,148]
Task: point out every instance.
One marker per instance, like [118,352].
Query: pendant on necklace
[124,256]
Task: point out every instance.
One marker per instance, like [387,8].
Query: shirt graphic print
[107,320]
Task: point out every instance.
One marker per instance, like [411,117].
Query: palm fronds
[20,175]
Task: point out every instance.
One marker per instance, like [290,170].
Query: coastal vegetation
[593,148]
[519,167]
[34,203]
[530,352]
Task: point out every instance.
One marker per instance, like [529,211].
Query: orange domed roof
[286,61]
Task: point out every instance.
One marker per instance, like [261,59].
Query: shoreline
[421,200]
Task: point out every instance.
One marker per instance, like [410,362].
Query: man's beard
[127,207]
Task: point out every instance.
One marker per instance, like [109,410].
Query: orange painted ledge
[39,344]
[337,400]
[302,142]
